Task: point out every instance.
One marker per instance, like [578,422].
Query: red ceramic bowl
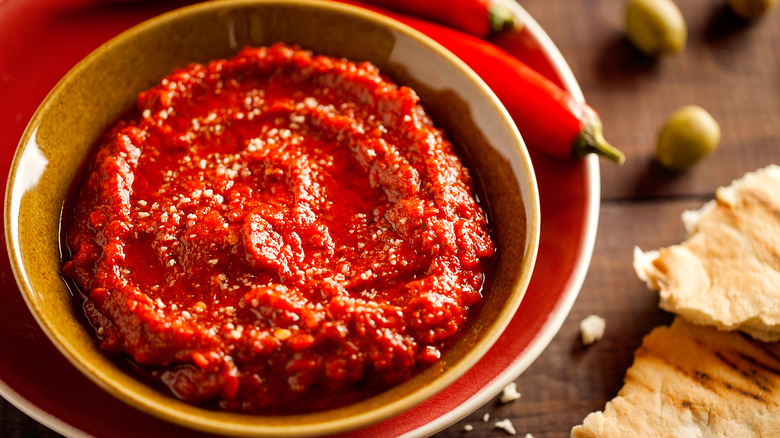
[106,82]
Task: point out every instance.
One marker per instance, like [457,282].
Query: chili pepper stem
[501,17]
[591,140]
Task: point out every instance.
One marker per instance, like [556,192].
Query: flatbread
[727,272]
[694,381]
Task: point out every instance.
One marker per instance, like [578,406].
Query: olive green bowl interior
[104,84]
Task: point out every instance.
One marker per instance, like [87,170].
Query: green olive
[656,27]
[689,135]
[751,9]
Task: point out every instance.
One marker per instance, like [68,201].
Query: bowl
[103,85]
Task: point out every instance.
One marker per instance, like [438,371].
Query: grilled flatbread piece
[727,273]
[694,381]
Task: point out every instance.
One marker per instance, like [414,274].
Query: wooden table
[729,67]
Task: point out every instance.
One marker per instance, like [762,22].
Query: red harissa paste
[277,233]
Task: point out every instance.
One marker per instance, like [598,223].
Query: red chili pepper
[476,17]
[548,117]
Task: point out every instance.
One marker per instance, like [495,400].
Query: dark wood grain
[729,67]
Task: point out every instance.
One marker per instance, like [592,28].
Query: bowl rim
[192,416]
[593,180]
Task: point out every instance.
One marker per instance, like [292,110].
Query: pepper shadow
[131,10]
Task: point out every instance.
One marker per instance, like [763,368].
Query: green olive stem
[591,140]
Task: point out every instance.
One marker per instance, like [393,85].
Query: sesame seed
[282,334]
